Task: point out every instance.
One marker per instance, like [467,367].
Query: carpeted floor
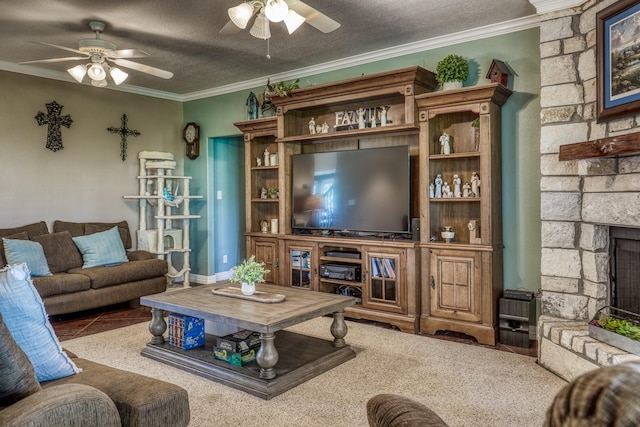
[465,385]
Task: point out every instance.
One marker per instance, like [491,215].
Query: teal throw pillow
[102,248]
[24,314]
[27,251]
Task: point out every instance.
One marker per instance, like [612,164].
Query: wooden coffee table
[283,361]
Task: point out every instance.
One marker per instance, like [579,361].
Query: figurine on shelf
[446,191]
[258,161]
[312,126]
[432,192]
[438,186]
[361,124]
[383,115]
[263,193]
[325,127]
[466,189]
[445,146]
[474,232]
[266,157]
[475,184]
[373,119]
[456,186]
[252,106]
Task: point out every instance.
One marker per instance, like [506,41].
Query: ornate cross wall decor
[124,132]
[54,120]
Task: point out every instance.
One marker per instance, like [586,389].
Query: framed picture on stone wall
[618,59]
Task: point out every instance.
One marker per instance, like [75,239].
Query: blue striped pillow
[24,314]
[102,248]
[31,253]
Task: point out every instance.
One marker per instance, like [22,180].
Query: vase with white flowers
[248,273]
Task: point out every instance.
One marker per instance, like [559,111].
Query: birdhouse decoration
[498,72]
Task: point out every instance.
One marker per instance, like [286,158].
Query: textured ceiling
[183,36]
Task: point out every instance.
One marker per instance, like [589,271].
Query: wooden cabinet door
[302,265]
[384,288]
[266,250]
[455,285]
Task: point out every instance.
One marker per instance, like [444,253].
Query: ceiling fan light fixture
[260,27]
[293,20]
[96,72]
[118,75]
[276,10]
[78,72]
[99,83]
[241,14]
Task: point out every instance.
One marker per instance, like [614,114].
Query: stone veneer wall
[579,199]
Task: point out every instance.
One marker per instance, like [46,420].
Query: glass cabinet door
[385,288]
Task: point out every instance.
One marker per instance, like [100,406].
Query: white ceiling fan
[101,53]
[292,12]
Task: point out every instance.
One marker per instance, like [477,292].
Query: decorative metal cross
[54,120]
[124,132]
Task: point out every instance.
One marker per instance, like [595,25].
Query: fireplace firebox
[625,268]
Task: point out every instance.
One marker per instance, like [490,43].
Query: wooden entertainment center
[419,283]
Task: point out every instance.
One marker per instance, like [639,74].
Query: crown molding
[547,6]
[487,31]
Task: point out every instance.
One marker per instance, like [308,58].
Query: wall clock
[191,136]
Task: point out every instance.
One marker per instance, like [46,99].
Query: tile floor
[85,323]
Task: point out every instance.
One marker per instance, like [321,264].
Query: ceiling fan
[101,53]
[292,12]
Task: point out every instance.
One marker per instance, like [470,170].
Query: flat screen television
[364,190]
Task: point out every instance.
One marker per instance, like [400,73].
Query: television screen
[357,190]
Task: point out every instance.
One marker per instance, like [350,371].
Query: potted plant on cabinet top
[451,71]
[248,273]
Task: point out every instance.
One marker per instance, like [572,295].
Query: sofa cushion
[131,271]
[102,248]
[141,401]
[18,236]
[34,229]
[17,376]
[26,251]
[79,228]
[60,251]
[61,283]
[26,319]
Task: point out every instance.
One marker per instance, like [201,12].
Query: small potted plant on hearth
[617,327]
[248,273]
[452,71]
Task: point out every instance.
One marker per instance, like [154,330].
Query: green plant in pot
[452,68]
[273,192]
[248,273]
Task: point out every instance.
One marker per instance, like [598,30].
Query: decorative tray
[258,296]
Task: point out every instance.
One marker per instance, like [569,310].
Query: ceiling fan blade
[70,58]
[127,53]
[313,17]
[230,28]
[63,48]
[144,68]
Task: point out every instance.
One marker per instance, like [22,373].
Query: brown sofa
[97,396]
[72,288]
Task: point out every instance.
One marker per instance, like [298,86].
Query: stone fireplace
[583,202]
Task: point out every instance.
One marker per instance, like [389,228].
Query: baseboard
[208,280]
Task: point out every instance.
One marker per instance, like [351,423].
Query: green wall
[520,127]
